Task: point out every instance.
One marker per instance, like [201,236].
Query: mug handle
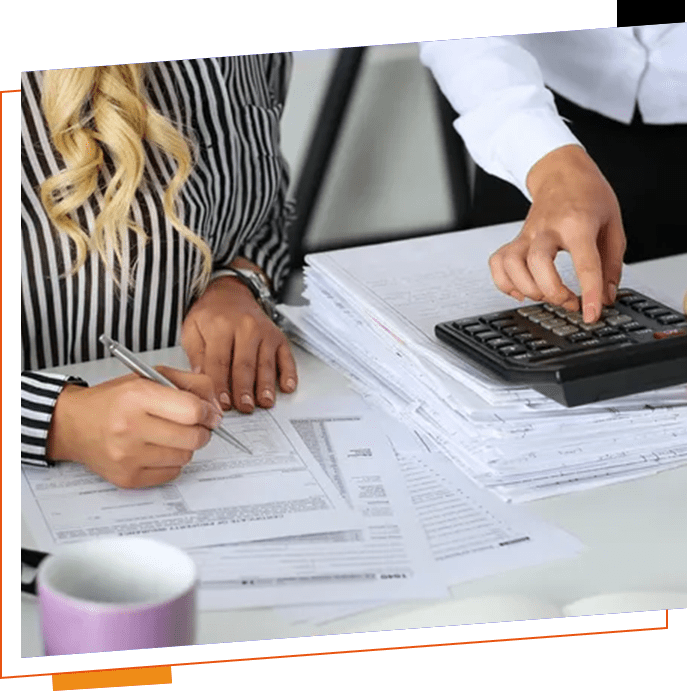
[32,559]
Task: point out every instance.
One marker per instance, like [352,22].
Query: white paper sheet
[371,315]
[389,558]
[223,494]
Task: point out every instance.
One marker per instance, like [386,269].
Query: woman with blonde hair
[154,211]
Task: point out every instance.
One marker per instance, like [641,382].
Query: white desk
[635,532]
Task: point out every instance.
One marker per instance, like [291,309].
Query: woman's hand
[131,431]
[574,209]
[227,336]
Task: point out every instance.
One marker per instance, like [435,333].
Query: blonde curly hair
[92,109]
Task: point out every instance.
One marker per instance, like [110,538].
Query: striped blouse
[235,199]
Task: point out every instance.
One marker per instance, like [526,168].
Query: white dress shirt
[508,118]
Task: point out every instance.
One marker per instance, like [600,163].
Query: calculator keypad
[538,333]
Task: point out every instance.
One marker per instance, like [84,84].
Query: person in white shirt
[609,133]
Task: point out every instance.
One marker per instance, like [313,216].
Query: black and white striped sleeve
[268,247]
[39,392]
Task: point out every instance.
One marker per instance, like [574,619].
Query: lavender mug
[121,593]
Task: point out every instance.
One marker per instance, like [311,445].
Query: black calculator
[637,345]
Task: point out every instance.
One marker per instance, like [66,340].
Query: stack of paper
[371,314]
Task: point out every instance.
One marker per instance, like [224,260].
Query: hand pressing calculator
[637,345]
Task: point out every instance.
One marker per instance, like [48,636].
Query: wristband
[256,283]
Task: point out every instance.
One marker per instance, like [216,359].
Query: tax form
[223,494]
[470,533]
[427,526]
[388,558]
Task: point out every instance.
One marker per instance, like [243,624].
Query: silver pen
[126,357]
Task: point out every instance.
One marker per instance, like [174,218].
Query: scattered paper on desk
[388,558]
[427,526]
[223,494]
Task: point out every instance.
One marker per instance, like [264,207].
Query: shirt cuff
[39,392]
[521,140]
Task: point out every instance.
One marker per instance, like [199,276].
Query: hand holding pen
[126,357]
[132,431]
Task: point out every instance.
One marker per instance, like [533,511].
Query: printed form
[223,494]
[427,526]
[388,558]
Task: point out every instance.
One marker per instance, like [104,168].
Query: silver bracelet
[257,285]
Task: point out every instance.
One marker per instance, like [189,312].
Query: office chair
[323,142]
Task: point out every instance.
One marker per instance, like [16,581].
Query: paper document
[388,558]
[223,494]
[371,315]
[427,526]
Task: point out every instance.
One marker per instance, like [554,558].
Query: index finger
[540,262]
[182,407]
[587,263]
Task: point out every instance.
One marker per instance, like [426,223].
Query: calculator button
[463,323]
[513,349]
[550,351]
[630,299]
[590,342]
[579,336]
[609,312]
[669,333]
[594,326]
[631,326]
[574,317]
[525,311]
[500,323]
[624,292]
[474,328]
[499,342]
[606,331]
[616,338]
[620,319]
[526,337]
[538,317]
[538,344]
[670,319]
[549,324]
[513,330]
[657,312]
[643,305]
[523,357]
[486,335]
[565,330]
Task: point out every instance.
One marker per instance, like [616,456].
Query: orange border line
[374,650]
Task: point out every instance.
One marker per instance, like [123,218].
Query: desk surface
[635,533]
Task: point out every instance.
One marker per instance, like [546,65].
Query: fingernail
[224,398]
[590,313]
[612,290]
[215,402]
[290,384]
[246,400]
[215,419]
[268,395]
[196,369]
